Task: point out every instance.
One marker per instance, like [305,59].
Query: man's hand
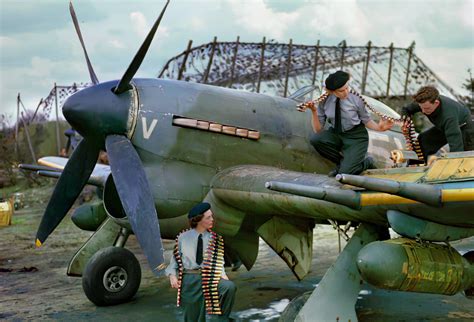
[224,277]
[174,281]
[303,106]
[385,125]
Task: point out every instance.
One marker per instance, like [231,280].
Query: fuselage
[181,161]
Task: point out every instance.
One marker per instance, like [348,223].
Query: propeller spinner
[100,116]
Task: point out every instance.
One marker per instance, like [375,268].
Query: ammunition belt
[408,130]
[179,261]
[406,123]
[211,273]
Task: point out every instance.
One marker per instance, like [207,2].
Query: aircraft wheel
[294,307]
[112,276]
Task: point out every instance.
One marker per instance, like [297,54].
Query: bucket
[6,213]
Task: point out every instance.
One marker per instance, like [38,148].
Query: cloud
[337,20]
[139,24]
[197,23]
[257,17]
[38,44]
[448,60]
[141,27]
[466,11]
[117,44]
[431,23]
[18,17]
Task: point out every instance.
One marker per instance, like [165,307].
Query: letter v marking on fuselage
[148,131]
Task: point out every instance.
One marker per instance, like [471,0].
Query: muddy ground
[34,285]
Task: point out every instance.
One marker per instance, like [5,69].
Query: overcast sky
[38,44]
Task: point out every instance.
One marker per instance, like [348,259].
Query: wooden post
[315,67]
[208,69]
[27,133]
[183,64]
[389,70]
[262,59]
[343,52]
[323,66]
[366,69]
[36,111]
[24,109]
[17,123]
[232,68]
[288,64]
[410,53]
[58,141]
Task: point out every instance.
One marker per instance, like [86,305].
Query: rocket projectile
[424,193]
[348,198]
[405,265]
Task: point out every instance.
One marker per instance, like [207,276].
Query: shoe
[369,163]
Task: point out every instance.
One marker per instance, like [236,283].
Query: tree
[469,85]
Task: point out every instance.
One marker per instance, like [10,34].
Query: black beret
[199,209]
[336,80]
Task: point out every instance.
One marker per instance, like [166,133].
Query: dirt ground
[34,285]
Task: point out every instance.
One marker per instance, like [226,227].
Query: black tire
[112,276]
[294,307]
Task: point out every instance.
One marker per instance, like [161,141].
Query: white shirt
[353,111]
[187,247]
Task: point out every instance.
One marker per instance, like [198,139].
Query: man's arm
[382,125]
[316,121]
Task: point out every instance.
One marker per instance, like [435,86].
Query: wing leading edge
[52,167]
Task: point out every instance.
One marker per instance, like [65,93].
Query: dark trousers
[192,299]
[353,145]
[433,139]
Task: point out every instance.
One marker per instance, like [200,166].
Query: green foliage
[43,141]
[469,85]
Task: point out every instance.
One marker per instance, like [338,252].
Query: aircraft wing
[53,166]
[282,206]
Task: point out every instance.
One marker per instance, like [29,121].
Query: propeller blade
[136,197]
[73,178]
[94,79]
[124,83]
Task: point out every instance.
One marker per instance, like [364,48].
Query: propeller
[94,79]
[136,197]
[99,114]
[124,83]
[73,178]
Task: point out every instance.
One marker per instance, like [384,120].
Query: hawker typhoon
[172,144]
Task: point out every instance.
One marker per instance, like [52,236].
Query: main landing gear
[112,275]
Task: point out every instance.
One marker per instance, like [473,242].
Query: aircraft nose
[74,110]
[97,111]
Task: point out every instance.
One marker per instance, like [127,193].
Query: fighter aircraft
[172,144]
